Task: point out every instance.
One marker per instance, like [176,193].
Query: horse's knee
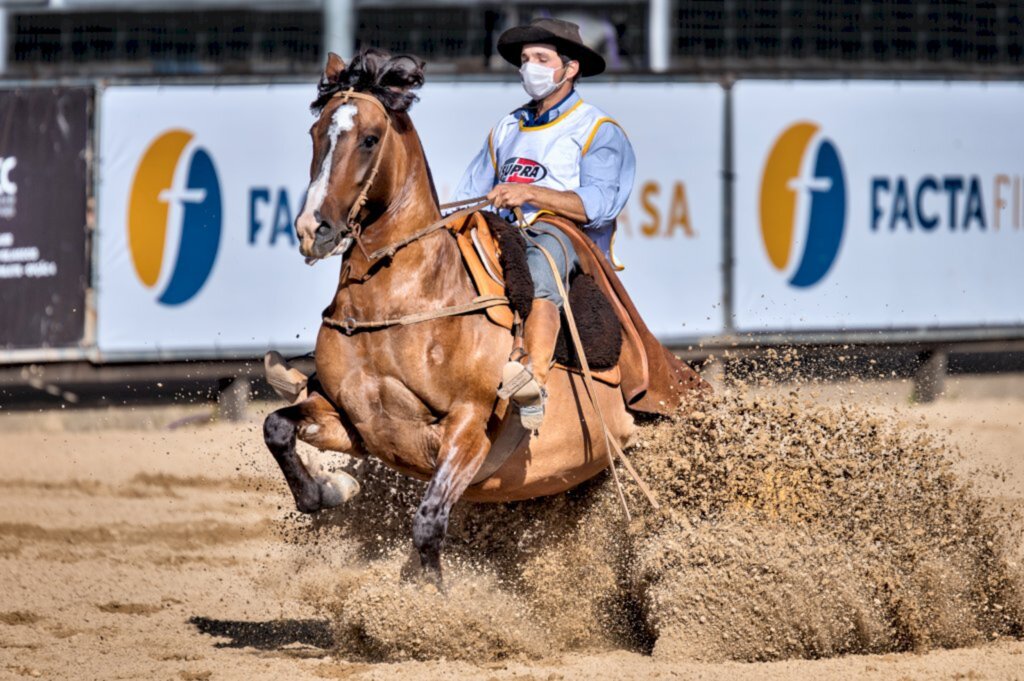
[279,432]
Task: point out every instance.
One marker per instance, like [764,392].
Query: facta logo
[175,200]
[803,204]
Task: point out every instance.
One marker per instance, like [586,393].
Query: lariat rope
[612,447]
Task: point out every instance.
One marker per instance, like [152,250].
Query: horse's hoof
[430,580]
[434,586]
[336,488]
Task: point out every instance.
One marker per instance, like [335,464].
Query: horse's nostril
[323,230]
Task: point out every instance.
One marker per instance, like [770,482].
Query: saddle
[652,379]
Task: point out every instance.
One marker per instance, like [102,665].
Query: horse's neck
[426,273]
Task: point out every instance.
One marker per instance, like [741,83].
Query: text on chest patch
[522,170]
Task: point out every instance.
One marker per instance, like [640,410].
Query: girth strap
[349,326]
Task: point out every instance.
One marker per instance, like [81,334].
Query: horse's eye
[370,141]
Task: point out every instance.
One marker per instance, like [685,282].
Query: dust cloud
[790,528]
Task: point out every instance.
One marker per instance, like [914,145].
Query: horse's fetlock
[428,529]
[309,503]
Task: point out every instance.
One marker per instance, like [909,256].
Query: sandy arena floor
[130,550]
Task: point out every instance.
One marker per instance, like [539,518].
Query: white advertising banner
[670,235]
[878,205]
[199,187]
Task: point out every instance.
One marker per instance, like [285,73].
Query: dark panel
[43,181]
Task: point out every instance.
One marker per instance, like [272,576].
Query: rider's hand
[510,195]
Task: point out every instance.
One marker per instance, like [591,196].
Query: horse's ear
[335,65]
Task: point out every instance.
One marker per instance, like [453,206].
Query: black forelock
[390,79]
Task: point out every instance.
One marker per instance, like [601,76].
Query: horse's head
[355,146]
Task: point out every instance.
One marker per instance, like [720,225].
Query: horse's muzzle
[325,243]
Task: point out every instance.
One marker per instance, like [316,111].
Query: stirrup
[515,379]
[288,382]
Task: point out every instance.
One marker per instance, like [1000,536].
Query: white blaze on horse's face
[342,120]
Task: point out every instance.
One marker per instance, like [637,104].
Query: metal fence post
[728,228]
[233,398]
[659,13]
[929,378]
[339,28]
[4,44]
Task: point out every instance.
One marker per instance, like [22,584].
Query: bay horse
[420,397]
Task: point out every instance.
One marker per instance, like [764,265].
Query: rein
[350,325]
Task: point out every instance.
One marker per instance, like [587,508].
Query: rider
[555,155]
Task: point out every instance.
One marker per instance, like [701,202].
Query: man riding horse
[555,155]
[408,356]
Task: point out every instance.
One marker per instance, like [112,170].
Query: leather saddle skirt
[651,378]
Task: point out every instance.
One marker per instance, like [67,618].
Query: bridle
[356,226]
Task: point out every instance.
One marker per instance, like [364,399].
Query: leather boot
[287,381]
[525,383]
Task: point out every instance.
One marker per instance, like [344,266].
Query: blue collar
[530,120]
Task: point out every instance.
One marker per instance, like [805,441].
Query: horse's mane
[390,79]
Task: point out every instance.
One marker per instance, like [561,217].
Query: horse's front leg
[317,422]
[463,450]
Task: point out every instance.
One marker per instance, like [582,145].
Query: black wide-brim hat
[564,35]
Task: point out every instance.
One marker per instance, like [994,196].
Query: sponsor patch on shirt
[522,170]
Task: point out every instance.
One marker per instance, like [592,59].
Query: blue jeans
[552,240]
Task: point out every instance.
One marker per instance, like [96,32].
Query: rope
[612,446]
[436,226]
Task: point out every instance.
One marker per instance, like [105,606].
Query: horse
[419,397]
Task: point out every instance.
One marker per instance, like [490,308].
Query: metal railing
[716,38]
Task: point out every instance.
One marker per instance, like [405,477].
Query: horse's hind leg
[317,422]
[461,457]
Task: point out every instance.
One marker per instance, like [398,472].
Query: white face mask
[538,80]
